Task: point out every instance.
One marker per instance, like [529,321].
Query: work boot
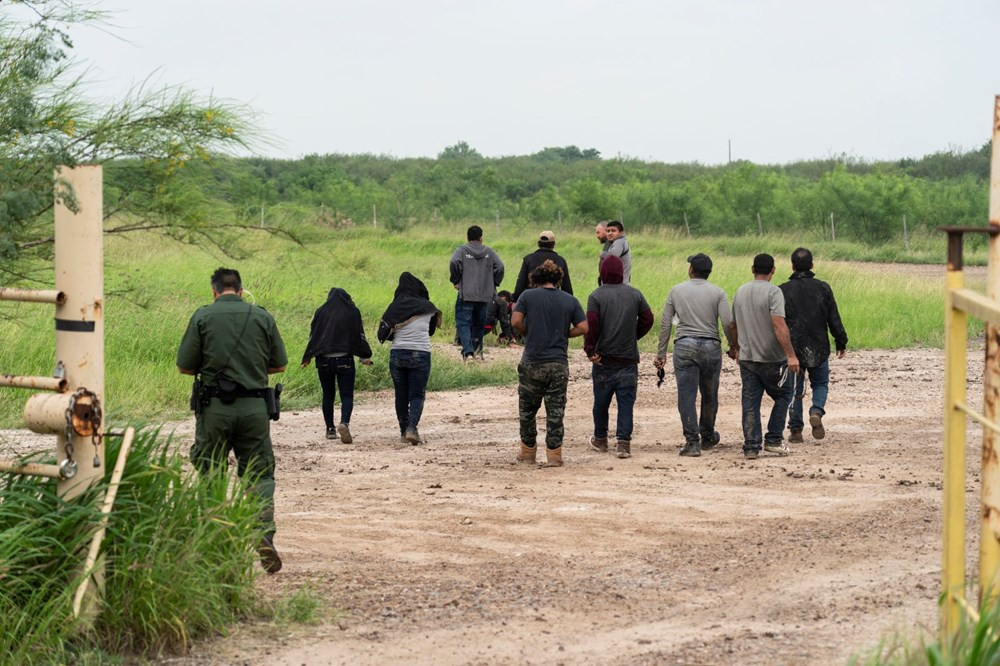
[527,454]
[711,442]
[624,448]
[751,454]
[692,450]
[345,433]
[412,436]
[269,558]
[796,437]
[816,421]
[331,433]
[554,457]
[599,444]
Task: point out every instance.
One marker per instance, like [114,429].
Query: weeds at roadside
[303,606]
[179,554]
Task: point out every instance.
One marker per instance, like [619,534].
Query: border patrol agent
[231,347]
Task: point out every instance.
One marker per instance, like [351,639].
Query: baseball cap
[547,236]
[763,264]
[701,263]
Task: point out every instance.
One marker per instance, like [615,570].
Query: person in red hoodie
[617,317]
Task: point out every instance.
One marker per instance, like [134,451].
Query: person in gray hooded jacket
[476,272]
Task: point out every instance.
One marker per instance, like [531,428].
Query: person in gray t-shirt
[547,317]
[767,361]
[699,307]
[618,248]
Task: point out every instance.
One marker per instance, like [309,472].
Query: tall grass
[179,553]
[977,643]
[154,286]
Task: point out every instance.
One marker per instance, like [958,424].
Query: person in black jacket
[336,336]
[545,252]
[811,310]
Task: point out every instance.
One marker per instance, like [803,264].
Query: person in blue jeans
[699,306]
[811,310]
[336,336]
[767,360]
[618,316]
[408,322]
[476,271]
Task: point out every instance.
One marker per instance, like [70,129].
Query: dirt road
[449,553]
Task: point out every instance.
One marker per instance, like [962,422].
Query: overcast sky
[665,80]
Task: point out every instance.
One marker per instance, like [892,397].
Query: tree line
[866,199]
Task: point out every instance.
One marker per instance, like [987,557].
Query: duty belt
[214,392]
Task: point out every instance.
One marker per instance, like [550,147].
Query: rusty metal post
[80,320]
[953,519]
[989,546]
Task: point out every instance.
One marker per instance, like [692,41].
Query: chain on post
[68,466]
[95,435]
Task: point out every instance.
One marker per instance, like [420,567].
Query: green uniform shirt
[232,329]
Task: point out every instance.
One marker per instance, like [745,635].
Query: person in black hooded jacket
[408,322]
[810,310]
[336,336]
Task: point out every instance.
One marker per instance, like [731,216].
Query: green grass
[303,606]
[179,553]
[154,285]
[976,643]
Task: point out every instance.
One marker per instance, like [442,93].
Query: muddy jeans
[619,382]
[819,382]
[537,383]
[697,364]
[759,378]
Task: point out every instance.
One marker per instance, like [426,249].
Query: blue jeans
[619,382]
[410,370]
[470,320]
[759,378]
[697,364]
[819,382]
[333,372]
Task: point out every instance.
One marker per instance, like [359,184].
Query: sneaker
[691,450]
[778,449]
[599,444]
[412,436]
[816,421]
[331,433]
[751,454]
[711,443]
[796,437]
[624,448]
[345,433]
[269,558]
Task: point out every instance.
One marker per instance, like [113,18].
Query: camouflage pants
[537,383]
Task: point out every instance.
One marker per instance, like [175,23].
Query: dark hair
[802,259]
[763,264]
[616,224]
[546,245]
[701,275]
[475,233]
[226,279]
[547,273]
[503,293]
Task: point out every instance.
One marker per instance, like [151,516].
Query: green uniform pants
[243,428]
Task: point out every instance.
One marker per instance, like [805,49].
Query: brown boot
[527,454]
[554,457]
[625,448]
[795,437]
[599,444]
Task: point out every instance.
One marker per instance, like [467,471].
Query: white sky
[665,80]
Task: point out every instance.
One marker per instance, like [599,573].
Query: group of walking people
[779,336]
